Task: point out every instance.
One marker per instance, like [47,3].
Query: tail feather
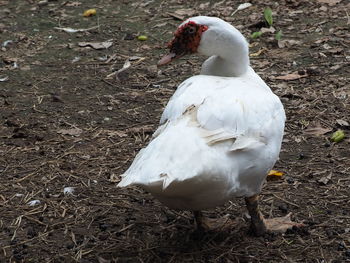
[181,150]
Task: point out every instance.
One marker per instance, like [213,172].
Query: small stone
[103,236]
[290,180]
[323,8]
[31,232]
[103,226]
[12,123]
[34,202]
[341,246]
[129,36]
[283,207]
[70,246]
[330,233]
[43,2]
[68,190]
[56,98]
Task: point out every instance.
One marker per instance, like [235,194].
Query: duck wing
[214,131]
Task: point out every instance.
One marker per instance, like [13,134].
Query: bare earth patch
[72,122]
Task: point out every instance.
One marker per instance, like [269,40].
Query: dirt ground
[69,120]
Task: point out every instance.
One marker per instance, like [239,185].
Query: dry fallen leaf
[241,7]
[291,76]
[73,4]
[113,178]
[135,58]
[203,6]
[267,30]
[72,132]
[244,6]
[317,130]
[288,43]
[325,179]
[142,129]
[4,78]
[273,175]
[181,14]
[73,30]
[89,12]
[127,64]
[102,260]
[116,133]
[176,16]
[96,45]
[342,122]
[185,12]
[145,47]
[329,2]
[258,53]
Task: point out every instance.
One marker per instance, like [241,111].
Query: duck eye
[191,30]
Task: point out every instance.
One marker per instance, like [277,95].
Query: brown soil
[65,123]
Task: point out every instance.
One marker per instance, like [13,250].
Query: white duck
[220,133]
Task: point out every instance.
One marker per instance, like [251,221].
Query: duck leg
[200,222]
[260,225]
[207,224]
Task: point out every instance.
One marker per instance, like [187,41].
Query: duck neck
[229,55]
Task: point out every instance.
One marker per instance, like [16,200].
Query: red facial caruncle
[187,39]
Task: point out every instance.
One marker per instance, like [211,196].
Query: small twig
[160,81]
[34,220]
[26,177]
[26,241]
[125,228]
[284,200]
[109,83]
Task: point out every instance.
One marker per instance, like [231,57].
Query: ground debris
[96,45]
[88,141]
[317,130]
[72,131]
[3,79]
[72,30]
[291,76]
[325,179]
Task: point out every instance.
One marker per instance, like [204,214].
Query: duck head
[186,40]
[225,46]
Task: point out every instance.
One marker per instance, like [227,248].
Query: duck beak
[177,50]
[169,57]
[166,59]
